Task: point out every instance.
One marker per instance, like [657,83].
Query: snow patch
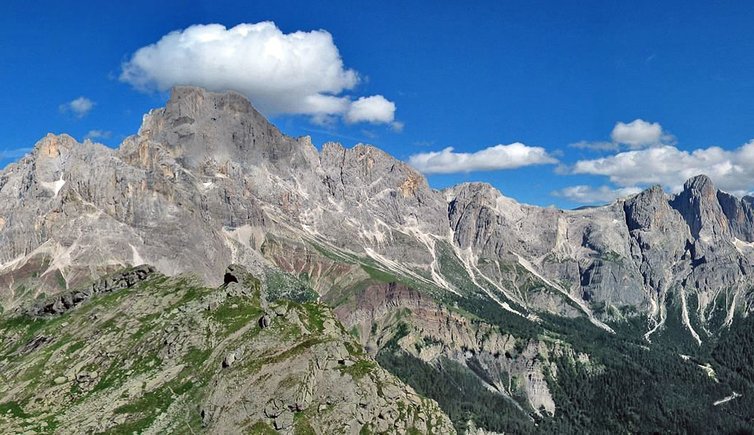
[658,325]
[429,241]
[55,186]
[528,266]
[727,399]
[742,246]
[467,259]
[685,317]
[731,311]
[136,259]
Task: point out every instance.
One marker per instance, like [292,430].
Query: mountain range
[493,315]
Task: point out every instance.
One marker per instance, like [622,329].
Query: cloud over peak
[283,73]
[496,157]
[731,170]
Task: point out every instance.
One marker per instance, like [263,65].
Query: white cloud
[80,107]
[282,73]
[496,157]
[371,109]
[98,134]
[584,194]
[639,134]
[731,170]
[634,135]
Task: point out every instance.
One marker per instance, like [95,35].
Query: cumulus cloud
[731,170]
[282,73]
[584,194]
[636,134]
[496,157]
[371,109]
[375,110]
[79,107]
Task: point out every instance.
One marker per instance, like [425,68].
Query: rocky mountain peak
[740,215]
[701,210]
[53,145]
[647,209]
[191,101]
[198,126]
[700,185]
[484,192]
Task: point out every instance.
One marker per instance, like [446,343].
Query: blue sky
[553,81]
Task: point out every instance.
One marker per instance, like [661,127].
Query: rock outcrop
[60,303]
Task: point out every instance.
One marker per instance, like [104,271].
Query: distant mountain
[516,305]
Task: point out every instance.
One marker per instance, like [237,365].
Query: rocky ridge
[207,181]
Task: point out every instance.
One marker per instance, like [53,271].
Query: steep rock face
[102,214]
[632,253]
[576,253]
[496,226]
[699,207]
[511,366]
[740,215]
[368,179]
[715,261]
[659,239]
[369,203]
[201,127]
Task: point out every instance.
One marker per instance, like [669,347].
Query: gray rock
[284,420]
[229,360]
[207,181]
[61,303]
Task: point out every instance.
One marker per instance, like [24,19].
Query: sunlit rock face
[208,181]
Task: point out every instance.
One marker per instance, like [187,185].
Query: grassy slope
[145,357]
